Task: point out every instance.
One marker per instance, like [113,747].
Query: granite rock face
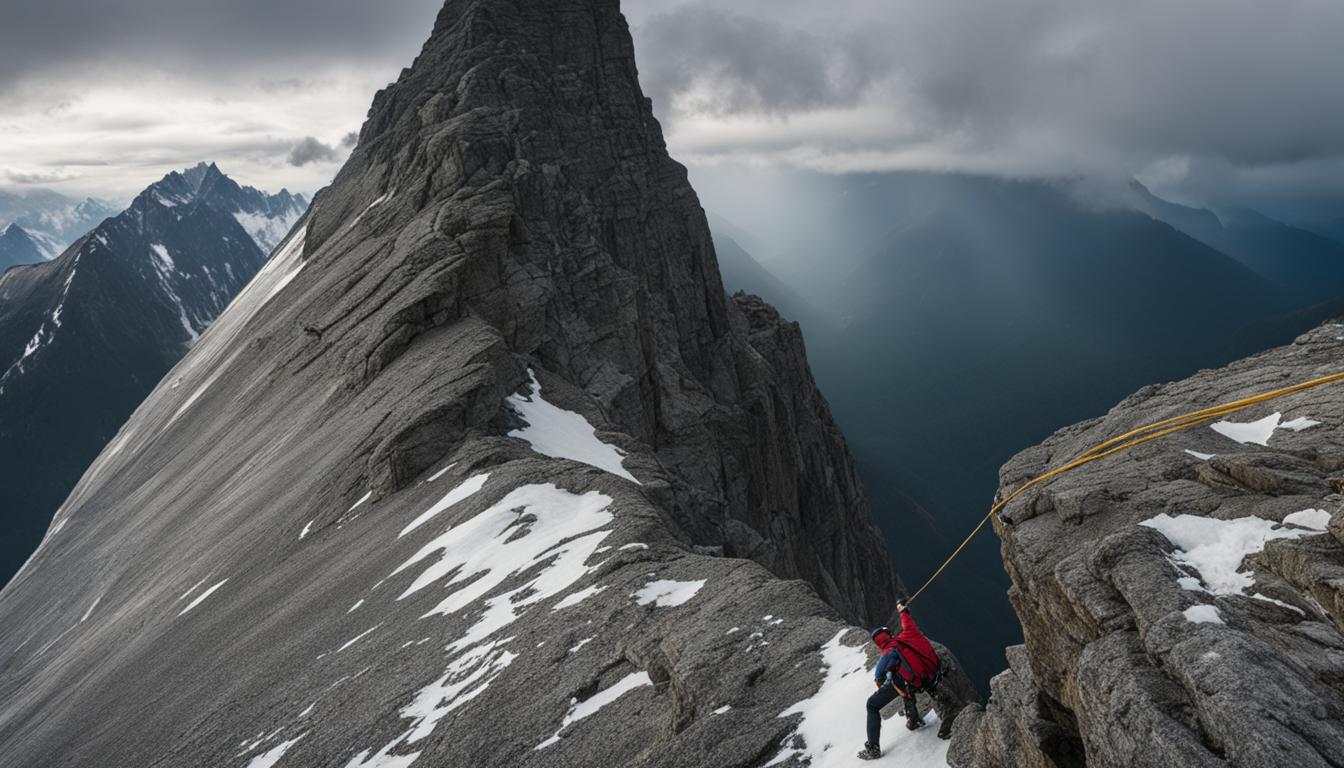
[1181,602]
[481,469]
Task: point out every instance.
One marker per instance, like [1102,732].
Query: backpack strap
[914,677]
[936,662]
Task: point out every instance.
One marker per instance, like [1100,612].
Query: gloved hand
[900,606]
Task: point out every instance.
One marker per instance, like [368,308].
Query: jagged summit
[481,468]
[266,218]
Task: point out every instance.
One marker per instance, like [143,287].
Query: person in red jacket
[908,665]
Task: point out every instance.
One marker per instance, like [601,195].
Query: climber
[908,665]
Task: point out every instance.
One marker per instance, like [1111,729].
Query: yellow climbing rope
[1144,434]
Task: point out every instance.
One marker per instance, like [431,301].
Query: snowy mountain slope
[482,468]
[1188,591]
[83,338]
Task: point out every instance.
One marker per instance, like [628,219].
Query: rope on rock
[1144,434]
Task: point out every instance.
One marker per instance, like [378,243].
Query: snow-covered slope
[482,469]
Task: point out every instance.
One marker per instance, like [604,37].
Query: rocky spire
[472,446]
[522,150]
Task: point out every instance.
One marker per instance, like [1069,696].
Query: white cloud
[113,138]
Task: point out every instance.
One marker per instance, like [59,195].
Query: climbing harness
[1144,434]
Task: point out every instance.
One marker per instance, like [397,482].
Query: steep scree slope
[1182,603]
[451,480]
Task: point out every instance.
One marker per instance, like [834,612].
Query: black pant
[884,696]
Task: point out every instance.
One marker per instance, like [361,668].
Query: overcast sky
[1197,97]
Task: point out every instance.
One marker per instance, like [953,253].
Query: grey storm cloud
[1218,93]
[310,150]
[752,64]
[1028,85]
[42,34]
[18,177]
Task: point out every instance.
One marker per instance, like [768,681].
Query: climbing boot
[870,752]
[912,719]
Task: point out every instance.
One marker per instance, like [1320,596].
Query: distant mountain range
[84,337]
[17,247]
[984,314]
[1306,265]
[38,224]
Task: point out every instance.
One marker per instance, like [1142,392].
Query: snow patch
[201,597]
[579,710]
[532,526]
[1259,432]
[194,587]
[466,677]
[562,434]
[468,488]
[270,758]
[1200,456]
[1216,548]
[440,473]
[1316,519]
[89,612]
[631,547]
[362,499]
[358,637]
[1203,614]
[666,593]
[166,268]
[1299,424]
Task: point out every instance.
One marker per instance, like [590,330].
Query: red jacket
[921,660]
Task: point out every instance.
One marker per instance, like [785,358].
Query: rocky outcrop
[481,469]
[1181,601]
